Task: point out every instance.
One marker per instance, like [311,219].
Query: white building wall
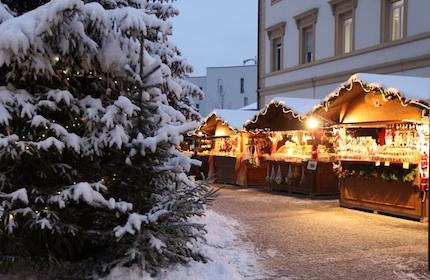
[386,55]
[418,17]
[409,56]
[324,40]
[227,78]
[368,20]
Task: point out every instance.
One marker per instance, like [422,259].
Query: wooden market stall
[298,157]
[381,123]
[219,145]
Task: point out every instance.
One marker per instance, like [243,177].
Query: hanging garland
[385,173]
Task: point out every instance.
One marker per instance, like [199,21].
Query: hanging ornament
[278,178]
[303,178]
[268,174]
[256,160]
[273,175]
[424,172]
[289,178]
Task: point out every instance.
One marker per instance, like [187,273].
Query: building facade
[306,48]
[229,87]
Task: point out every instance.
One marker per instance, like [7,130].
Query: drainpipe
[258,54]
[314,96]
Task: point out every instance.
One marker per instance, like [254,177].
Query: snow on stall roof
[298,105]
[235,118]
[409,87]
[252,106]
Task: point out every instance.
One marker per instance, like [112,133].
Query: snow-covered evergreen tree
[92,107]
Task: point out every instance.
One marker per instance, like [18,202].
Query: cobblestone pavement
[302,238]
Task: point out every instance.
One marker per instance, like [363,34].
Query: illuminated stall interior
[294,139]
[220,132]
[219,144]
[283,122]
[381,124]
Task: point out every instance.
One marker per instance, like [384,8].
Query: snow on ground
[230,258]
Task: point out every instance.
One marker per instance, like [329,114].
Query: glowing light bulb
[313,123]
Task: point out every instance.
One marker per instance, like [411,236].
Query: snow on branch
[24,38]
[167,133]
[135,221]
[90,194]
[126,105]
[18,195]
[5,13]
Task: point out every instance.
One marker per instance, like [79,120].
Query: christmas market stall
[219,144]
[294,150]
[381,124]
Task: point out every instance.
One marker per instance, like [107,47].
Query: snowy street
[300,238]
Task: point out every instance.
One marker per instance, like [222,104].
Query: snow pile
[230,258]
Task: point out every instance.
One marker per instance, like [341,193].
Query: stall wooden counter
[320,180]
[382,127]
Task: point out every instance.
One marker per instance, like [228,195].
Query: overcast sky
[216,32]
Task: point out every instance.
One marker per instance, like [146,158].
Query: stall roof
[299,105]
[282,113]
[409,87]
[408,90]
[235,118]
[252,106]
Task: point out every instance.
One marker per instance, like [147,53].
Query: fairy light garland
[217,118]
[263,112]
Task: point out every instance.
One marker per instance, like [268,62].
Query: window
[308,45]
[242,85]
[396,20]
[198,107]
[346,33]
[276,37]
[245,101]
[277,54]
[306,25]
[393,25]
[344,13]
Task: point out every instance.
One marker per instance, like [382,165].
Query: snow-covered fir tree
[92,108]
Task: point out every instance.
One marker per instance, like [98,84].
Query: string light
[276,103]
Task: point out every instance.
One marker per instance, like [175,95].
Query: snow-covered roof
[252,106]
[298,105]
[298,108]
[409,91]
[234,118]
[409,87]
